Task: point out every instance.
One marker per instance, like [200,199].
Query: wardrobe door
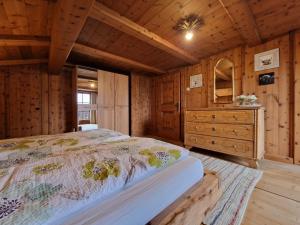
[106,100]
[121,104]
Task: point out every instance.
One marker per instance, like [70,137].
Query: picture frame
[266,60]
[196,81]
[266,78]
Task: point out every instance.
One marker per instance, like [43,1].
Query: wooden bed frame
[192,207]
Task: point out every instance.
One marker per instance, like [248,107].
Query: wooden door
[121,103]
[168,112]
[106,100]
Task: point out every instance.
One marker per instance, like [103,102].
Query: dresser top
[227,108]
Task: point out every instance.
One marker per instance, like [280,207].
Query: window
[84,115]
[83,98]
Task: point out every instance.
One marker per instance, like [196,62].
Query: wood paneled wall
[194,98]
[60,102]
[33,102]
[297,97]
[2,103]
[141,91]
[277,98]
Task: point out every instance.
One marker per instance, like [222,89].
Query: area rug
[237,183]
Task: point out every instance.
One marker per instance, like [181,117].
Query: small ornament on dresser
[246,100]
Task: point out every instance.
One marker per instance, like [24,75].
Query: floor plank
[276,198]
[266,208]
[281,179]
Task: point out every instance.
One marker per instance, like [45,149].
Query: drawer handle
[234,146]
[213,129]
[213,116]
[213,142]
[235,117]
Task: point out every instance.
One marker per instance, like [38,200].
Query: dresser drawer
[244,132]
[224,145]
[233,117]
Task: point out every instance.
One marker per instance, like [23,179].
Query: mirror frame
[233,77]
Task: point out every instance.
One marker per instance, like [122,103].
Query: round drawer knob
[213,116]
[213,142]
[213,129]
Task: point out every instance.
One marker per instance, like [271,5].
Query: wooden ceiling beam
[22,62]
[15,41]
[121,23]
[68,20]
[242,20]
[86,50]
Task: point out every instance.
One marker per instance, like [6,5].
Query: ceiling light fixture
[92,85]
[189,35]
[189,24]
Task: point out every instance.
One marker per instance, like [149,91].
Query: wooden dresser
[236,131]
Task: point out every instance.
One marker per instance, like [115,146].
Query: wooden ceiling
[135,34]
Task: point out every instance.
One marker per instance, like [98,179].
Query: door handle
[177,106]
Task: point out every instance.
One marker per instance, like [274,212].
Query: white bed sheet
[139,203]
[86,127]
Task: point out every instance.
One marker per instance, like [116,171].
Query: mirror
[223,81]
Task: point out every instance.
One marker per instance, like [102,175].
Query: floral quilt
[45,177]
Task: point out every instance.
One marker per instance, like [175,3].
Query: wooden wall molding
[86,50]
[114,19]
[242,20]
[68,21]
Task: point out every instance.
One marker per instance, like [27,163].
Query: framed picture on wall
[196,81]
[266,60]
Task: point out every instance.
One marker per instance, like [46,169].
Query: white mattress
[141,202]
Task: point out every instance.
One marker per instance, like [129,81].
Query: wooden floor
[276,198]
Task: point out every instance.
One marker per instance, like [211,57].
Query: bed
[87,127]
[98,177]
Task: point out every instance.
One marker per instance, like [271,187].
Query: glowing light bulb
[92,85]
[189,35]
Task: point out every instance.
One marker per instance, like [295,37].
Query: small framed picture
[196,81]
[266,78]
[266,60]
